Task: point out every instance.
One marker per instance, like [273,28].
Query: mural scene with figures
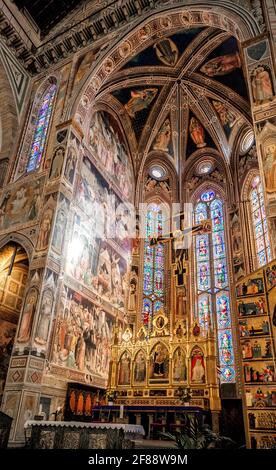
[137,224]
[83,336]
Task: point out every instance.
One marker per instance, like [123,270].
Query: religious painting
[166,51]
[140,368]
[159,364]
[27,317]
[269,165]
[133,284]
[95,264]
[124,369]
[80,401]
[264,372]
[163,139]
[262,87]
[7,334]
[140,100]
[60,224]
[236,237]
[250,286]
[71,163]
[22,204]
[197,133]
[109,147]
[29,408]
[197,366]
[227,117]
[57,163]
[221,65]
[10,407]
[83,66]
[44,318]
[46,223]
[83,336]
[253,307]
[179,368]
[270,274]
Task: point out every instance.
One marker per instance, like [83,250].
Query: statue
[261,86]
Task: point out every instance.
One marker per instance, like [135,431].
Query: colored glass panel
[213,284]
[262,243]
[207,196]
[41,129]
[153,278]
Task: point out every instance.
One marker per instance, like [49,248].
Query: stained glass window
[213,298]
[41,128]
[153,279]
[261,236]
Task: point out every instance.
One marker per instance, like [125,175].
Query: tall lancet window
[154,272]
[261,236]
[41,128]
[213,297]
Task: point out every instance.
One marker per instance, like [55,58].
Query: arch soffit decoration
[228,17]
[156,158]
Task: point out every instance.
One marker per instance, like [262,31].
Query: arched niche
[14,268]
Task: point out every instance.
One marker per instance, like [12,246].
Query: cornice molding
[91,23]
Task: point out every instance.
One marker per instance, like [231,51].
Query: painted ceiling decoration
[183,93]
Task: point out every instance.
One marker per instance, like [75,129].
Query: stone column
[33,344]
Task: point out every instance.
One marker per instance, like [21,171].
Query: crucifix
[177,236]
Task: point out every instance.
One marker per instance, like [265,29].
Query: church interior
[137,221]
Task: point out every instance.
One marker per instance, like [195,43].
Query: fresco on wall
[95,264]
[179,366]
[60,224]
[70,167]
[138,103]
[57,162]
[221,65]
[159,364]
[269,164]
[7,334]
[83,336]
[46,222]
[21,204]
[99,202]
[27,317]
[166,51]
[108,145]
[163,139]
[227,117]
[262,87]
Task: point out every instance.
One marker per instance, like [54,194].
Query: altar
[80,435]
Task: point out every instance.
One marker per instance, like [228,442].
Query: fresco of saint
[140,99]
[221,65]
[163,137]
[261,85]
[197,133]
